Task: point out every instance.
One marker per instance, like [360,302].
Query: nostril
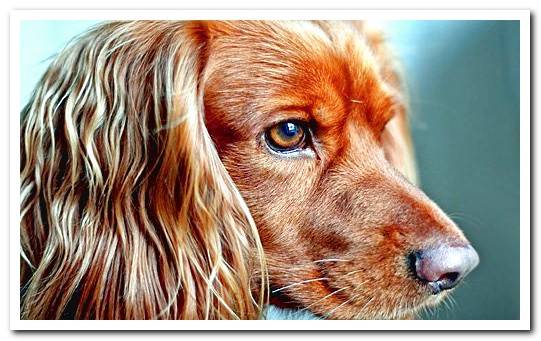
[442,268]
[449,277]
[413,259]
[446,282]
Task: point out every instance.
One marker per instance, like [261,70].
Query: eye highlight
[287,136]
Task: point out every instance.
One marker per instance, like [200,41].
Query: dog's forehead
[326,68]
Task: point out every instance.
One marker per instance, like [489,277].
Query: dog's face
[309,121]
[140,136]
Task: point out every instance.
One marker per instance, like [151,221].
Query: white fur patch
[272,312]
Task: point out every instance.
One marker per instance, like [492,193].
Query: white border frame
[523,15]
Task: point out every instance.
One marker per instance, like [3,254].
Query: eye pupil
[289,129]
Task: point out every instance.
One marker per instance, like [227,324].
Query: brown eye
[286,136]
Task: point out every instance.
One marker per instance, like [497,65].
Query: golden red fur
[149,190]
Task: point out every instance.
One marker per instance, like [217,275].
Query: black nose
[443,267]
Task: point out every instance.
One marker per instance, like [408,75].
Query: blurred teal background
[463,83]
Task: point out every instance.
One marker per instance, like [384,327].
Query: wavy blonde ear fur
[126,210]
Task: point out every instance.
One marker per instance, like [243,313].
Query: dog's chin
[273,312]
[278,309]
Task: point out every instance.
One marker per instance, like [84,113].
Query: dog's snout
[443,267]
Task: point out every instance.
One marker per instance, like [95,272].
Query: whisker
[404,308]
[337,307]
[424,311]
[299,283]
[351,273]
[431,311]
[349,300]
[359,284]
[324,298]
[453,302]
[466,218]
[367,303]
[446,305]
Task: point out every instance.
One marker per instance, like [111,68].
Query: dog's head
[171,169]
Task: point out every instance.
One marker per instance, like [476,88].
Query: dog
[207,169]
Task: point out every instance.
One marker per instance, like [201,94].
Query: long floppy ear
[126,210]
